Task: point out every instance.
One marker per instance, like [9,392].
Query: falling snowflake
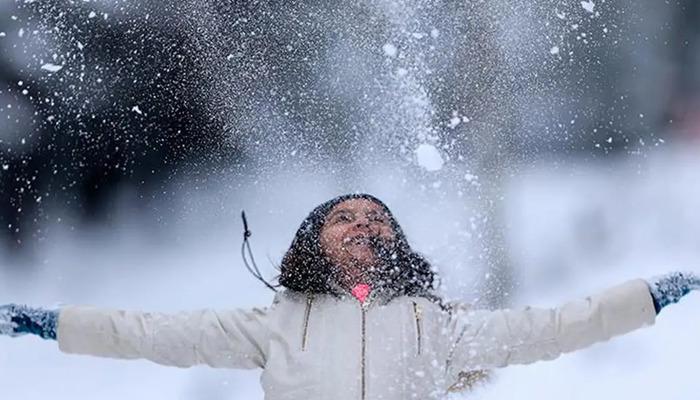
[429,157]
[390,50]
[588,5]
[51,67]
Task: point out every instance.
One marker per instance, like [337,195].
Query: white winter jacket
[328,347]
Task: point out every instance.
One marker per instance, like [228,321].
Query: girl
[358,319]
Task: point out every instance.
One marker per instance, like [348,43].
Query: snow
[470,177]
[51,67]
[398,100]
[588,5]
[192,264]
[390,50]
[454,121]
[429,157]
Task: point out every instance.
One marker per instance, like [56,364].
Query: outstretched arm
[490,339]
[226,339]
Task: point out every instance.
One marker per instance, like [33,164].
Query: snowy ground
[572,231]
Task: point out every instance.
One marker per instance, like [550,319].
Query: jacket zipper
[418,313]
[307,313]
[364,349]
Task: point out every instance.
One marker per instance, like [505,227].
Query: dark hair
[305,269]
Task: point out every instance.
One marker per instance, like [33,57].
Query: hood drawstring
[252,267]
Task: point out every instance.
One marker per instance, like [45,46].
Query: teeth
[357,240]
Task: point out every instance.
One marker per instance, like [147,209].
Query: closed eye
[342,216]
[375,217]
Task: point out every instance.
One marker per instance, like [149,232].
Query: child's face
[348,231]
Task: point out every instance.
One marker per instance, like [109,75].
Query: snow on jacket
[326,347]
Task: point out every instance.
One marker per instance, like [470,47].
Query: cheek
[387,232]
[331,240]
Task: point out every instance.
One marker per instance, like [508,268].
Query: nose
[365,224]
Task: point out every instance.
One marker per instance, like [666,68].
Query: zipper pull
[418,313]
[361,292]
[419,310]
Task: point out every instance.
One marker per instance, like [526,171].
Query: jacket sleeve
[226,339]
[490,339]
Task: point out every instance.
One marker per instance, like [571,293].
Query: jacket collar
[378,295]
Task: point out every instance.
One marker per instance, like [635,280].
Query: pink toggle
[361,291]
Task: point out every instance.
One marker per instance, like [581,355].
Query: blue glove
[18,320]
[668,289]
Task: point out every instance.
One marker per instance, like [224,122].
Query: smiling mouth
[358,240]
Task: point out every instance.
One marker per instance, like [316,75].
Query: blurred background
[534,151]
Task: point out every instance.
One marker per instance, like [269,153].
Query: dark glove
[17,320]
[668,289]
